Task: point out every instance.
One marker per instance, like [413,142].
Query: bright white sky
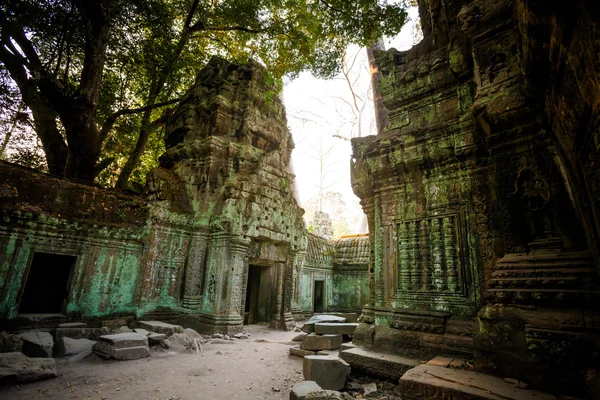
[319,110]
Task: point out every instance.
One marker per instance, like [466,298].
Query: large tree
[95,74]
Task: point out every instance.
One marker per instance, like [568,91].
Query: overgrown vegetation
[94,79]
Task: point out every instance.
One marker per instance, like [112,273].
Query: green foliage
[156,48]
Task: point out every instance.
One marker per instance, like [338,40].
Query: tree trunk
[136,154]
[84,142]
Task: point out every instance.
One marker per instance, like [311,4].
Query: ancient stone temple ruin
[481,187]
[481,191]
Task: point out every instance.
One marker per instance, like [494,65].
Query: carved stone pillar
[195,271]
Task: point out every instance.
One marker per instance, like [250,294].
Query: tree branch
[110,121]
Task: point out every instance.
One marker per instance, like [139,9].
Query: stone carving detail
[429,257]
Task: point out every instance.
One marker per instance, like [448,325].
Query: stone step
[378,364]
[435,382]
[341,328]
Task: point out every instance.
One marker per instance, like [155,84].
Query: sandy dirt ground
[256,368]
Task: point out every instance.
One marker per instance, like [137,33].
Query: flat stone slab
[16,367]
[37,344]
[329,372]
[342,328]
[122,346]
[350,317]
[378,364]
[346,346]
[309,326]
[66,346]
[321,342]
[160,327]
[433,382]
[303,389]
[296,351]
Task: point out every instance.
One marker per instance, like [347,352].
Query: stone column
[231,306]
[297,263]
[195,270]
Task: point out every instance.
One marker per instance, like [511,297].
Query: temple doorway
[318,297]
[259,305]
[47,284]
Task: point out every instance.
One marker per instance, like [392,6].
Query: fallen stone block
[81,333]
[378,364]
[296,351]
[309,326]
[73,325]
[37,344]
[299,338]
[321,342]
[342,328]
[78,357]
[328,353]
[328,395]
[16,367]
[440,361]
[192,334]
[180,341]
[66,346]
[329,372]
[434,382]
[160,327]
[346,346]
[155,338]
[370,389]
[10,343]
[122,346]
[309,390]
[303,389]
[350,317]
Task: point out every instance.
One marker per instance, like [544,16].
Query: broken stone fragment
[192,334]
[66,346]
[329,372]
[16,367]
[370,389]
[328,395]
[10,343]
[309,326]
[302,389]
[180,341]
[122,346]
[299,337]
[37,344]
[217,336]
[160,327]
[81,333]
[342,328]
[296,351]
[321,342]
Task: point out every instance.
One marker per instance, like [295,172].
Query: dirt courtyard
[256,368]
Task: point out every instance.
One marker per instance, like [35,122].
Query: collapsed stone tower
[481,191]
[217,239]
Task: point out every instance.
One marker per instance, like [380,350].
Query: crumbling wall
[480,189]
[220,200]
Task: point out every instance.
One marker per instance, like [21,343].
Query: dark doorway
[46,289]
[319,296]
[252,292]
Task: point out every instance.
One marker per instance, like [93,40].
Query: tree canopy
[95,78]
